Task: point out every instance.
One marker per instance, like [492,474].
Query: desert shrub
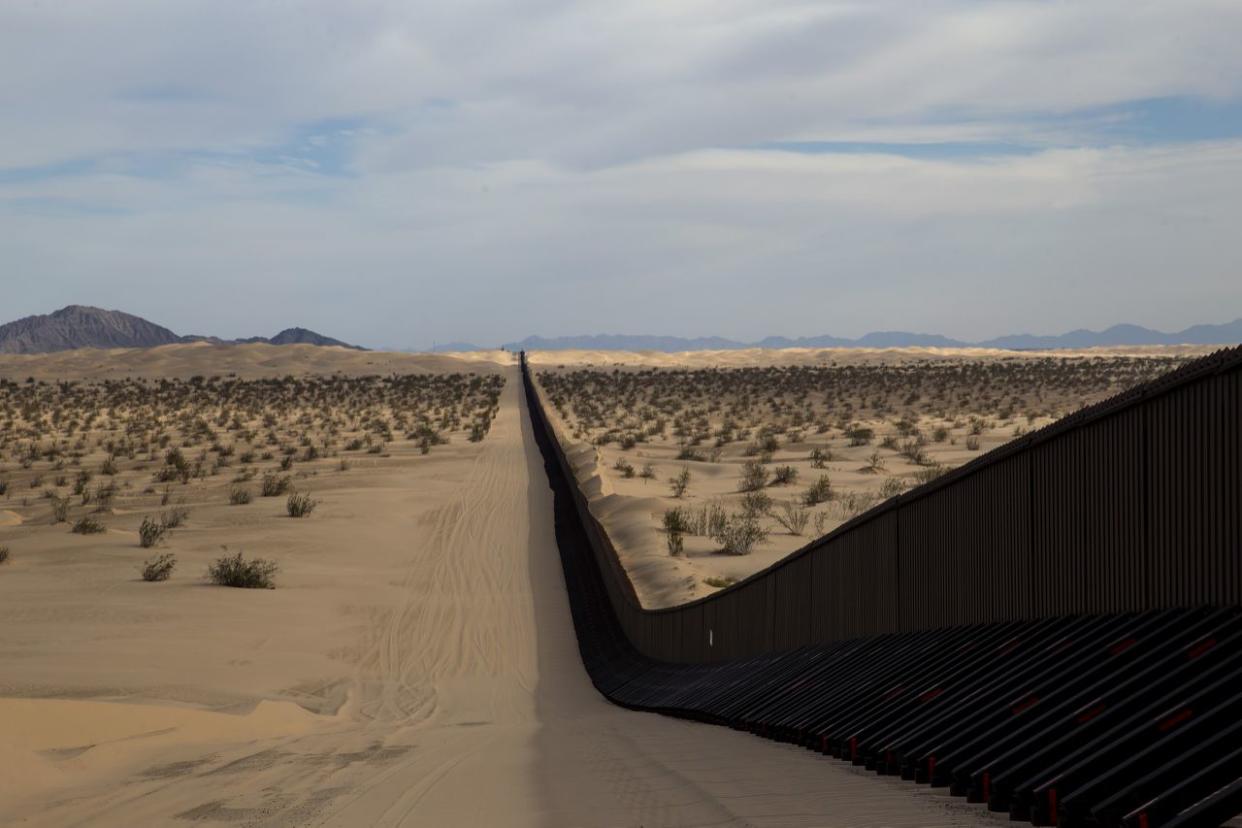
[286,462]
[818,492]
[892,487]
[930,473]
[60,509]
[275,485]
[648,472]
[706,520]
[940,434]
[755,504]
[859,435]
[821,522]
[890,442]
[972,443]
[740,535]
[793,517]
[689,453]
[4,488]
[754,477]
[87,526]
[625,467]
[676,520]
[4,554]
[875,464]
[675,525]
[819,458]
[343,465]
[174,517]
[680,483]
[852,504]
[912,450]
[784,475]
[239,496]
[235,571]
[158,568]
[300,505]
[150,532]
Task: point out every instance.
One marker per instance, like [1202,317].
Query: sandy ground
[415,666]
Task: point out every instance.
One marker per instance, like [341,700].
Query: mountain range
[79,326]
[1228,333]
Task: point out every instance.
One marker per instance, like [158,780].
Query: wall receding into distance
[1131,504]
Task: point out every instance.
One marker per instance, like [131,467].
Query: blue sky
[399,174]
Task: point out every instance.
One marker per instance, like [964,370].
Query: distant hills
[80,326]
[1225,334]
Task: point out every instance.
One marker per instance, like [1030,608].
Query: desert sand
[244,361]
[709,412]
[415,665]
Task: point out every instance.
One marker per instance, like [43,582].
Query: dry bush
[740,535]
[150,532]
[87,525]
[235,571]
[818,492]
[300,505]
[275,485]
[784,475]
[680,482]
[793,517]
[754,477]
[239,496]
[158,568]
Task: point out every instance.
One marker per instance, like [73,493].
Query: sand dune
[245,361]
[416,666]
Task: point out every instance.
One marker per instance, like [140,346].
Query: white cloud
[530,160]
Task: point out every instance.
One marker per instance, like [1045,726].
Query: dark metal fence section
[1128,505]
